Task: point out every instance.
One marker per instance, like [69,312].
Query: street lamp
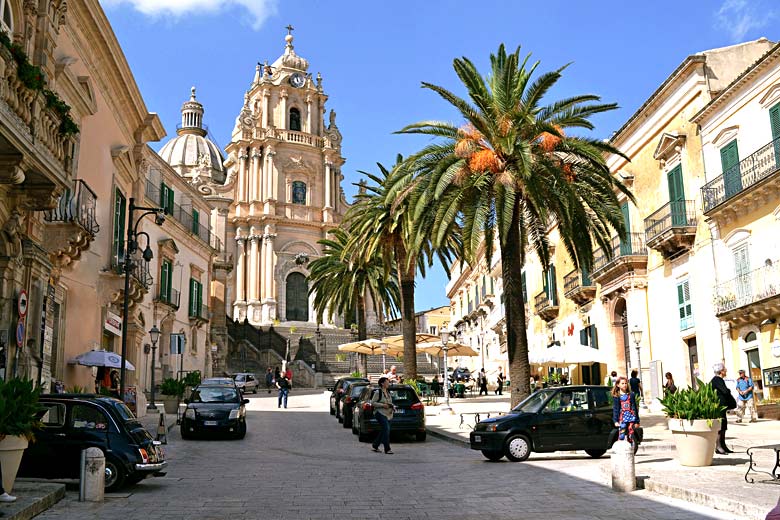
[154,335]
[318,345]
[383,347]
[131,246]
[636,335]
[482,347]
[445,338]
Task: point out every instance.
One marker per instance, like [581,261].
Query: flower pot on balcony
[11,450]
[695,440]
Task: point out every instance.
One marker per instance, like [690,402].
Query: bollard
[93,475]
[162,429]
[623,469]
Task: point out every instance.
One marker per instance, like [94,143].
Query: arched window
[6,17]
[295,119]
[297,293]
[299,192]
[750,337]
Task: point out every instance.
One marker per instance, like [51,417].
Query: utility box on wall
[656,379]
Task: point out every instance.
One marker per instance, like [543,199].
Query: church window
[295,119]
[297,292]
[6,17]
[299,192]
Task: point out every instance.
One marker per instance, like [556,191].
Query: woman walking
[669,386]
[383,412]
[727,400]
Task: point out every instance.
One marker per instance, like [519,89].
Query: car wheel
[494,455]
[420,436]
[354,428]
[332,411]
[115,474]
[518,448]
[241,431]
[346,423]
[595,453]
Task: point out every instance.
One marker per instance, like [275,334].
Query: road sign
[21,304]
[20,333]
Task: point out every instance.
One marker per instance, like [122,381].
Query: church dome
[191,148]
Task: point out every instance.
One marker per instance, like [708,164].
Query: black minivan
[75,422]
[555,419]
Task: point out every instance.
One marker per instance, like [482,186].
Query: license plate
[209,423]
[400,411]
[477,438]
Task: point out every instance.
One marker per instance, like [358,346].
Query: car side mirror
[245,401]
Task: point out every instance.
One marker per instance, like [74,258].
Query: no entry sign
[21,304]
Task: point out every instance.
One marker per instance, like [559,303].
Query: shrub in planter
[694,420]
[19,418]
[192,379]
[172,387]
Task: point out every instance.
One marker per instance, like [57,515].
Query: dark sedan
[74,422]
[351,394]
[214,409]
[409,416]
[338,393]
[566,418]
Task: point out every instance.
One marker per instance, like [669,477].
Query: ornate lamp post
[445,339]
[636,335]
[131,246]
[154,335]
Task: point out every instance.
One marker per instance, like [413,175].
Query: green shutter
[165,276]
[684,305]
[163,195]
[774,120]
[525,287]
[625,245]
[193,296]
[552,286]
[584,336]
[118,245]
[676,196]
[729,160]
[195,221]
[200,299]
[169,207]
[594,337]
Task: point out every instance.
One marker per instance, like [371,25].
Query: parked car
[351,394]
[246,382]
[75,422]
[554,419]
[338,392]
[214,409]
[409,416]
[218,381]
[462,373]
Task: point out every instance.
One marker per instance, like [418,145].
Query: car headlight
[190,413]
[492,427]
[235,413]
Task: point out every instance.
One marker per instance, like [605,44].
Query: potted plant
[172,391]
[19,411]
[694,420]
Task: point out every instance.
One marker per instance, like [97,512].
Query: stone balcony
[167,296]
[546,307]
[622,258]
[753,182]
[672,229]
[35,154]
[578,287]
[751,297]
[140,280]
[71,225]
[199,313]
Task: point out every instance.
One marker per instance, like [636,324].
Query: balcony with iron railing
[199,312]
[578,287]
[672,228]
[185,218]
[750,297]
[71,225]
[139,270]
[622,257]
[167,296]
[754,179]
[546,307]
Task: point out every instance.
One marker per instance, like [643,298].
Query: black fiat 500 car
[214,409]
[409,416]
[75,422]
[554,419]
[338,393]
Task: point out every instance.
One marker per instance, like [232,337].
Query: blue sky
[373,56]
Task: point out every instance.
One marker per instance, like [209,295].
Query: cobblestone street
[300,463]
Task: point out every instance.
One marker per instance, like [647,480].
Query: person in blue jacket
[625,413]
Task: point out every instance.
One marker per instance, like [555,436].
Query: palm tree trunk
[406,271]
[362,333]
[516,335]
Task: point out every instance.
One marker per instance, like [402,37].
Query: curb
[23,509]
[697,497]
[448,437]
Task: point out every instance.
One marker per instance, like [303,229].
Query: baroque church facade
[284,169]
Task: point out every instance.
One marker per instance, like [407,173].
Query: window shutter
[553,286]
[774,120]
[594,336]
[118,245]
[195,221]
[193,296]
[525,287]
[169,207]
[684,305]
[584,336]
[200,297]
[163,195]
[163,292]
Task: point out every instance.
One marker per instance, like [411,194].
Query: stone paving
[300,463]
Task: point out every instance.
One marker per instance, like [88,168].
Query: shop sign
[113,323]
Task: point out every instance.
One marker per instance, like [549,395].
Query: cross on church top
[290,29]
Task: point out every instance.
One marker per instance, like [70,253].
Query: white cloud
[258,10]
[739,17]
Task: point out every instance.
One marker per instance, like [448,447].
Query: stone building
[284,164]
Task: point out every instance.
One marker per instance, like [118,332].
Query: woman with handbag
[727,400]
[383,412]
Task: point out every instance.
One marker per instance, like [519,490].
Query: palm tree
[341,286]
[383,225]
[511,172]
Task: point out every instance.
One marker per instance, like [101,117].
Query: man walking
[500,383]
[284,388]
[745,400]
[269,379]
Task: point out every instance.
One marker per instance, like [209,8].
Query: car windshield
[356,390]
[240,377]
[534,402]
[214,394]
[123,411]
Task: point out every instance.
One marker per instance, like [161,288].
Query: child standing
[625,413]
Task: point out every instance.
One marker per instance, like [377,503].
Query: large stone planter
[11,451]
[171,403]
[695,440]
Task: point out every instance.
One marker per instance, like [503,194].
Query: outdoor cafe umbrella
[435,349]
[420,337]
[372,347]
[101,358]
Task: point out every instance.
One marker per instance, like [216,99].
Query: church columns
[254,271]
[283,95]
[255,192]
[269,175]
[327,209]
[269,300]
[266,119]
[308,115]
[239,307]
[242,176]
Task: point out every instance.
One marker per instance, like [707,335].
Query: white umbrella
[576,354]
[101,358]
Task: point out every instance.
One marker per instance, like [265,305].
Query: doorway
[754,372]
[693,361]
